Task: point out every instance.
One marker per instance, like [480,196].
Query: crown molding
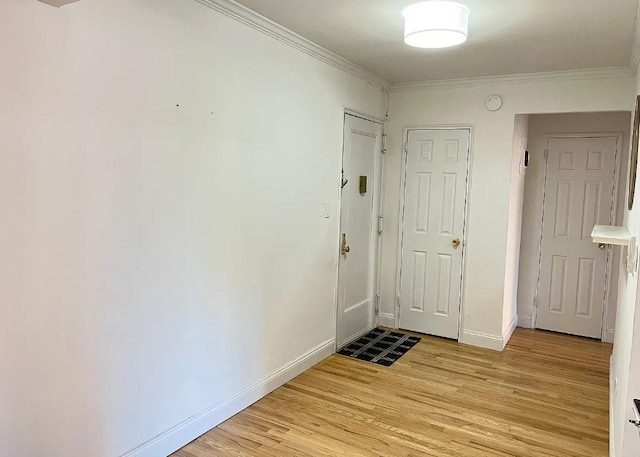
[260,23]
[551,76]
[58,3]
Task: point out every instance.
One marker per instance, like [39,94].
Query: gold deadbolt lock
[363,185]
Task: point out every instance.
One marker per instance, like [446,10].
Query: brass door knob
[344,249]
[456,242]
[601,245]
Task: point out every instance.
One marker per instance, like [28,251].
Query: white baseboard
[609,336]
[387,320]
[525,321]
[506,334]
[612,399]
[488,341]
[482,340]
[177,436]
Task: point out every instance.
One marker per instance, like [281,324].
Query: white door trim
[365,116]
[403,182]
[376,241]
[612,218]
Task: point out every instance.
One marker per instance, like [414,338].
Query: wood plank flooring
[545,395]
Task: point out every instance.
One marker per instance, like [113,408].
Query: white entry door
[358,228]
[578,195]
[433,229]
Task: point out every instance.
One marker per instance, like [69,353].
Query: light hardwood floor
[545,395]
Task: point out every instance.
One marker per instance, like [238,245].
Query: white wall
[625,437]
[540,127]
[625,368]
[486,245]
[514,226]
[162,169]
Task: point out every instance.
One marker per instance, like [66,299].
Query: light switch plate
[326,210]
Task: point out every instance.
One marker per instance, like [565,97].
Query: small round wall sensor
[493,103]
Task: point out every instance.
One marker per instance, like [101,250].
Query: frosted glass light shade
[435,24]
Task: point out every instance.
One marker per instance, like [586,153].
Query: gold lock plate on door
[363,185]
[456,242]
[345,248]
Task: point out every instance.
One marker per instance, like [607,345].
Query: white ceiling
[505,36]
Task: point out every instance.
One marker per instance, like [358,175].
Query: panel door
[433,228]
[578,195]
[358,229]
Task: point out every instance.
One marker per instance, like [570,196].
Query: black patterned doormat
[380,346]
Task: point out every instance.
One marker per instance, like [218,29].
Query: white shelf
[611,234]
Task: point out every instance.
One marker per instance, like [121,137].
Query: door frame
[613,214]
[375,215]
[401,212]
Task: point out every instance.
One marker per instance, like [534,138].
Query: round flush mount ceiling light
[435,24]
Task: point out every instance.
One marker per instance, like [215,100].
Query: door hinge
[377,305]
[536,302]
[406,147]
[384,143]
[380,218]
[398,307]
